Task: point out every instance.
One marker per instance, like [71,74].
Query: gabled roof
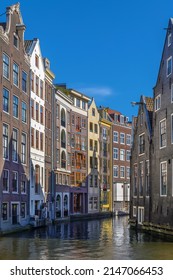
[28,44]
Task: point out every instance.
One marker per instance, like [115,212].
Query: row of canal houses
[61,155]
[151,196]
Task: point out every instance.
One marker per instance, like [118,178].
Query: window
[41,89]
[37,139]
[37,61]
[72,120]
[122,138]
[122,171]
[78,102]
[141,178]
[104,133]
[15,106]
[14,181]
[24,81]
[15,145]
[5,100]
[63,139]
[83,123]
[128,172]
[83,105]
[122,154]
[23,183]
[37,179]
[23,210]
[6,66]
[32,108]
[121,119]
[141,143]
[134,211]
[37,85]
[128,155]
[163,178]
[128,139]
[140,215]
[15,74]
[63,117]
[147,174]
[91,145]
[169,39]
[4,211]
[32,81]
[24,112]
[163,133]
[157,103]
[135,180]
[115,153]
[32,137]
[23,149]
[37,111]
[115,171]
[15,41]
[5,180]
[63,160]
[93,112]
[169,66]
[5,142]
[115,137]
[41,141]
[91,127]
[95,128]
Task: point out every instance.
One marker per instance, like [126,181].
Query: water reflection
[97,239]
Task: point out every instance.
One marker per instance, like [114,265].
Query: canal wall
[164,230]
[74,217]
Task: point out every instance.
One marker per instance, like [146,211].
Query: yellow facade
[93,159]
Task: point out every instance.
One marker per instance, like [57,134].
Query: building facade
[37,137]
[62,151]
[121,145]
[15,122]
[105,124]
[141,163]
[93,158]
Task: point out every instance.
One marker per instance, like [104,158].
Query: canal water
[103,239]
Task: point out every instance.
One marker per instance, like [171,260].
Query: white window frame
[115,171]
[122,138]
[169,67]
[161,173]
[157,103]
[162,145]
[140,215]
[115,136]
[115,153]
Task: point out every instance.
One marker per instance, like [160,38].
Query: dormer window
[169,39]
[15,41]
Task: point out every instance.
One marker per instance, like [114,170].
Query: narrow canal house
[37,118]
[162,149]
[49,144]
[121,142]
[79,151]
[62,151]
[93,158]
[140,191]
[105,124]
[15,122]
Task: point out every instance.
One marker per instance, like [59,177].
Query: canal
[103,239]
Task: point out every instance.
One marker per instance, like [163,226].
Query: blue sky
[107,49]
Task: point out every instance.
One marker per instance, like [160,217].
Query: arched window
[58,206]
[63,160]
[63,139]
[63,117]
[37,178]
[65,205]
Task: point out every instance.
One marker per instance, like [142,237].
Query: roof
[28,44]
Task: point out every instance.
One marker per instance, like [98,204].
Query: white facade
[37,176]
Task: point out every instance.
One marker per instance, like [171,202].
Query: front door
[14,213]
